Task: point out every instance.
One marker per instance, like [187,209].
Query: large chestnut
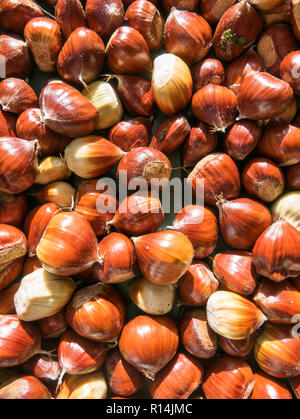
[187,35]
[81,59]
[17,56]
[149,343]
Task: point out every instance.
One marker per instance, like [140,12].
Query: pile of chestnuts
[102,298]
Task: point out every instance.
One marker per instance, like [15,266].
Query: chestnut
[263,179]
[104,16]
[263,96]
[143,16]
[275,43]
[290,70]
[17,96]
[228,378]
[206,72]
[127,52]
[187,35]
[237,29]
[81,59]
[199,144]
[17,56]
[216,106]
[213,10]
[15,14]
[44,39]
[69,14]
[171,134]
[219,175]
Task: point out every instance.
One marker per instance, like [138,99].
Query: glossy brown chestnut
[235,271]
[12,209]
[199,144]
[242,138]
[43,367]
[69,14]
[8,124]
[18,164]
[16,96]
[213,10]
[7,305]
[131,133]
[73,233]
[275,43]
[177,380]
[263,96]
[276,252]
[277,351]
[96,204]
[127,52]
[164,256]
[149,343]
[263,179]
[81,59]
[279,301]
[78,355]
[13,244]
[104,16]
[200,225]
[15,14]
[66,111]
[196,335]
[24,388]
[44,40]
[35,225]
[292,176]
[147,164]
[17,56]
[206,72]
[228,378]
[30,126]
[138,214]
[290,70]
[9,271]
[238,348]
[242,221]
[19,341]
[97,313]
[118,259]
[143,16]
[237,29]
[197,285]
[187,35]
[219,175]
[171,134]
[280,142]
[54,326]
[136,95]
[123,378]
[215,105]
[266,388]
